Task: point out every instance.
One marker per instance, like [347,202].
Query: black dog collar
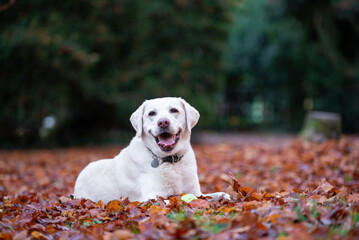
[157,160]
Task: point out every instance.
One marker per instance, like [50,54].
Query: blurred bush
[87,65]
[291,56]
[72,70]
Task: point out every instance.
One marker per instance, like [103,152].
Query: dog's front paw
[226,196]
[217,195]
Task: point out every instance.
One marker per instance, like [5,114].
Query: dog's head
[164,123]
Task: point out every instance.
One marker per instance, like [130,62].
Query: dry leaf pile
[293,191]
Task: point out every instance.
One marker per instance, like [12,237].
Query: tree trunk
[320,126]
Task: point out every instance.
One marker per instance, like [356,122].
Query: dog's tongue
[166,141]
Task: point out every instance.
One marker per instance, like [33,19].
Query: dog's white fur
[130,173]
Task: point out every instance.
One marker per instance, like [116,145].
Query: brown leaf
[241,229]
[319,198]
[113,206]
[158,209]
[19,236]
[276,186]
[338,213]
[100,204]
[38,235]
[6,236]
[273,218]
[199,203]
[325,186]
[353,197]
[236,185]
[299,231]
[119,234]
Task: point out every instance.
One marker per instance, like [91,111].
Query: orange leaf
[267,195]
[100,204]
[158,209]
[273,218]
[113,206]
[256,196]
[230,209]
[38,235]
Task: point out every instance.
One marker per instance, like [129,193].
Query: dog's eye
[152,113]
[174,110]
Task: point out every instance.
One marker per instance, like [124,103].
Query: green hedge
[291,56]
[91,63]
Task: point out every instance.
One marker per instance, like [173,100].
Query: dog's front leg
[151,189]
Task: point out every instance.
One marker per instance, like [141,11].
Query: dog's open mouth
[167,141]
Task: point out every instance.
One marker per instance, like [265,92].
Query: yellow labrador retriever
[158,162]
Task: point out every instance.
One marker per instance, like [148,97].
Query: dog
[159,161]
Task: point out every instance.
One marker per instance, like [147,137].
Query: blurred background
[72,72]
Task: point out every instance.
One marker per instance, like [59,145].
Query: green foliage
[282,234]
[340,230]
[300,216]
[177,216]
[355,218]
[215,227]
[293,56]
[314,209]
[91,63]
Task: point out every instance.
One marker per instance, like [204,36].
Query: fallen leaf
[199,203]
[353,197]
[292,191]
[273,218]
[38,235]
[119,235]
[158,209]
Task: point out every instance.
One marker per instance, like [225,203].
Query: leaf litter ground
[295,190]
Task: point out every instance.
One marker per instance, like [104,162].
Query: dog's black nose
[163,123]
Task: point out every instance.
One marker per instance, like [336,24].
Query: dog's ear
[192,115]
[137,119]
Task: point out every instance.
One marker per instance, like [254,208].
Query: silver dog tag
[155,163]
